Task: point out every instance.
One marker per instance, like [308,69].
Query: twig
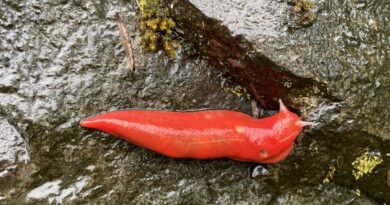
[126,42]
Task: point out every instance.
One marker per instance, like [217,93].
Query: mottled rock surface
[345,52]
[62,60]
[13,148]
[347,48]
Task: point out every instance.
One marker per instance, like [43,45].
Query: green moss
[157,27]
[238,91]
[302,13]
[365,163]
[303,5]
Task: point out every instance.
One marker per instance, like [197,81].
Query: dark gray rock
[13,149]
[345,53]
[346,48]
[61,61]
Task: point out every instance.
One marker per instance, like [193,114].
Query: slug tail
[105,123]
[88,123]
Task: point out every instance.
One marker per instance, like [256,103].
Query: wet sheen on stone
[61,61]
[13,148]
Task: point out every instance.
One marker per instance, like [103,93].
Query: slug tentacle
[282,107]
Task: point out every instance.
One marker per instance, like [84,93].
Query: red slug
[205,134]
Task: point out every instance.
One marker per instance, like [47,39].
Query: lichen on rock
[365,163]
[330,174]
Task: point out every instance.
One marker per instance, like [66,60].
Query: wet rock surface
[13,148]
[347,49]
[345,52]
[61,61]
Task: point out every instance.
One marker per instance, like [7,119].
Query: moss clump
[238,91]
[303,5]
[304,10]
[366,163]
[302,13]
[157,27]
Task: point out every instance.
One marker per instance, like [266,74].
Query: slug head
[277,144]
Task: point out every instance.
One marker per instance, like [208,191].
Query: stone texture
[62,60]
[346,49]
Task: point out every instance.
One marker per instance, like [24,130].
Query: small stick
[126,42]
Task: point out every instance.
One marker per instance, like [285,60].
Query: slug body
[204,134]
